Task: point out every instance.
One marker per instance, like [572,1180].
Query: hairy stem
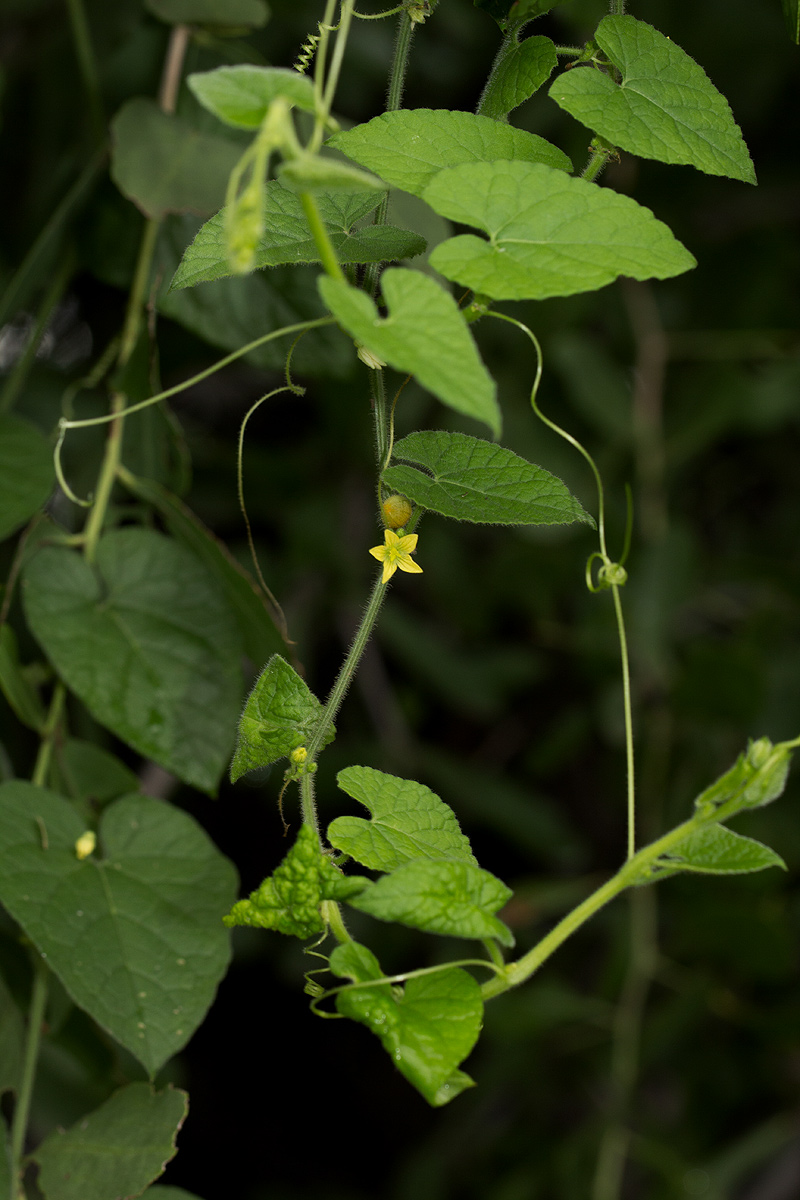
[507,46]
[597,160]
[19,1124]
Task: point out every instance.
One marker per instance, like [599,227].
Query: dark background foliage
[494,676]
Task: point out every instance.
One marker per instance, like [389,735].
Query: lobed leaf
[253,13]
[242,94]
[715,850]
[287,239]
[664,107]
[146,640]
[135,936]
[522,72]
[424,334]
[549,234]
[408,821]
[408,147]
[281,714]
[115,1151]
[428,1029]
[26,472]
[164,165]
[289,899]
[446,896]
[474,480]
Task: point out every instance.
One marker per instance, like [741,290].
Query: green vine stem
[507,46]
[88,64]
[42,765]
[597,160]
[611,575]
[320,235]
[19,1125]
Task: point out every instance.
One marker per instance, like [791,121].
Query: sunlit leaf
[281,714]
[408,821]
[241,95]
[521,73]
[664,107]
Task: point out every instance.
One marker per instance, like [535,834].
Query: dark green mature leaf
[281,714]
[427,1030]
[12,1040]
[665,106]
[241,95]
[260,636]
[26,472]
[549,234]
[288,900]
[89,775]
[164,165]
[232,312]
[715,850]
[135,936]
[21,696]
[159,1192]
[424,334]
[473,480]
[210,12]
[408,821]
[148,643]
[756,778]
[447,896]
[287,239]
[791,10]
[116,1150]
[521,73]
[408,147]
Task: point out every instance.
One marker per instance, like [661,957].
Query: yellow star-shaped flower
[396,553]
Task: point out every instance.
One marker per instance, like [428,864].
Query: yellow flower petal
[408,564]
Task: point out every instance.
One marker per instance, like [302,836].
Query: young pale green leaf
[164,165]
[252,13]
[281,714]
[715,850]
[287,239]
[117,1149]
[147,641]
[135,936]
[22,697]
[408,147]
[427,1030]
[664,107]
[408,821]
[473,480]
[288,900]
[260,636]
[447,896]
[549,234]
[313,173]
[756,778]
[521,73]
[791,10]
[26,472]
[12,1040]
[241,95]
[424,334]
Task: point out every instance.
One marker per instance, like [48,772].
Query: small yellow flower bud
[396,511]
[298,756]
[85,844]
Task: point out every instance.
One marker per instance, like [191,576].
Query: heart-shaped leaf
[147,641]
[135,936]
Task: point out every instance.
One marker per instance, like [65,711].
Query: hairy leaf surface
[135,936]
[447,896]
[147,641]
[473,480]
[408,821]
[408,147]
[423,334]
[116,1150]
[665,106]
[549,234]
[427,1030]
[521,73]
[281,714]
[287,239]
